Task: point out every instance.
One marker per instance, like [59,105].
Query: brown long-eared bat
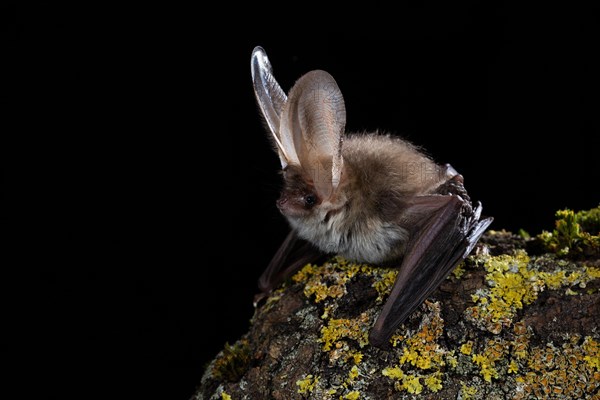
[369,198]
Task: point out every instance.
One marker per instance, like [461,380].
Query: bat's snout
[292,205]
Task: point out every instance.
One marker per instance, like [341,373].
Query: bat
[371,198]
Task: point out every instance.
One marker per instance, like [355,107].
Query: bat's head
[299,198]
[304,202]
[306,129]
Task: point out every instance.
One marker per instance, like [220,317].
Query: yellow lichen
[591,350]
[329,280]
[451,360]
[396,338]
[357,357]
[591,272]
[422,352]
[434,382]
[514,281]
[393,372]
[487,369]
[348,384]
[409,356]
[467,392]
[412,384]
[513,367]
[305,273]
[509,289]
[384,285]
[353,374]
[459,271]
[425,355]
[553,280]
[307,384]
[336,329]
[325,284]
[421,349]
[225,396]
[315,284]
[353,395]
[493,352]
[326,311]
[466,348]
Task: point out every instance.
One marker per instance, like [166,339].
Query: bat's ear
[271,100]
[313,120]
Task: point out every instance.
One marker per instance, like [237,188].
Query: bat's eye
[310,200]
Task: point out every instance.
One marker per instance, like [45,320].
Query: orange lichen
[562,371]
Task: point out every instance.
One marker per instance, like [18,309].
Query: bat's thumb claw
[458,178]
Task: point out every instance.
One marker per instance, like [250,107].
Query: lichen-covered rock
[506,324]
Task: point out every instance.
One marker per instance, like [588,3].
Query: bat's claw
[458,179]
[450,171]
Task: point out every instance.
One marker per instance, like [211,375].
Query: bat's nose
[288,207]
[281,202]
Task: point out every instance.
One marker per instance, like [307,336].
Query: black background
[145,194]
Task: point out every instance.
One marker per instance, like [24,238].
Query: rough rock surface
[506,324]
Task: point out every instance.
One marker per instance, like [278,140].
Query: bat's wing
[293,254]
[447,237]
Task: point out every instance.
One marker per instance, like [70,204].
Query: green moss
[575,233]
[589,220]
[231,364]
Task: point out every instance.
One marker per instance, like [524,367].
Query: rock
[505,324]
